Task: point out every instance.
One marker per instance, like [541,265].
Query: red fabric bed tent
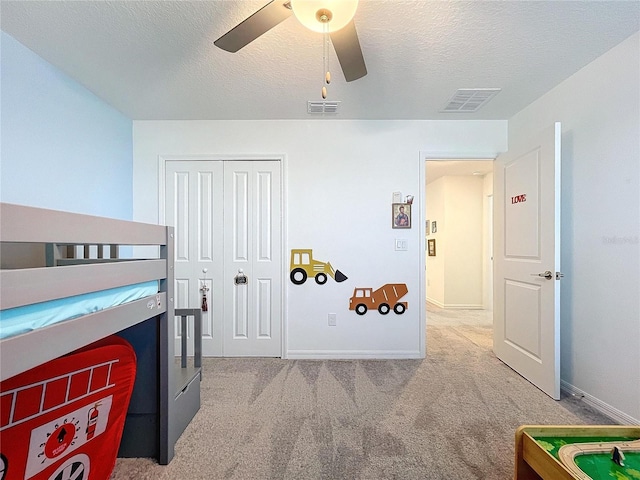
[64,419]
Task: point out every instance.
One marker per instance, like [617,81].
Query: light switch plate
[402,244]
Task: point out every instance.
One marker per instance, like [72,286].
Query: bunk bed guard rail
[25,286]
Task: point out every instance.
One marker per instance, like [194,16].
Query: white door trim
[282,158]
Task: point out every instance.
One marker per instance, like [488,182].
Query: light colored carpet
[450,416]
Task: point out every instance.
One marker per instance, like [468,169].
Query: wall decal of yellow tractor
[303,265]
[383,299]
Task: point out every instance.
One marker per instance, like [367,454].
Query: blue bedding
[15,321]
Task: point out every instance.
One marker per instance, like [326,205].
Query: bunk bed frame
[153,317]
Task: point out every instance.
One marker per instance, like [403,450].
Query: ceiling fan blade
[347,47]
[252,27]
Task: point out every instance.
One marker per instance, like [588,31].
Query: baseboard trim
[435,302]
[353,355]
[456,306]
[604,408]
[463,306]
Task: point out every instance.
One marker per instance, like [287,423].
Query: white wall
[599,108]
[340,176]
[487,241]
[463,231]
[62,147]
[455,202]
[435,192]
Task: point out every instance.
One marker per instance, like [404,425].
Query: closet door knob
[240,278]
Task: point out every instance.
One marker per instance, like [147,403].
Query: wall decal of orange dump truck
[303,265]
[382,299]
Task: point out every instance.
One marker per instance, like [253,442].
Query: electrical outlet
[332,319]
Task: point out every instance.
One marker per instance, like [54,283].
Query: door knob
[240,278]
[548,274]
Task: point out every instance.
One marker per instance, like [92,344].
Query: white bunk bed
[161,417]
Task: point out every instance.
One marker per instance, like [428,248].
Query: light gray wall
[340,177]
[62,147]
[599,108]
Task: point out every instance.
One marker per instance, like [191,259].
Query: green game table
[576,452]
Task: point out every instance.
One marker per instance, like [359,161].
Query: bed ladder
[187,377]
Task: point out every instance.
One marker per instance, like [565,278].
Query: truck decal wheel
[399,309]
[383,308]
[298,276]
[361,309]
[321,278]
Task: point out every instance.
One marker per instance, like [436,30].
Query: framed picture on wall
[401,215]
[432,247]
[434,227]
[427,228]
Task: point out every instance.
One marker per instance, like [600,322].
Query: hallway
[442,317]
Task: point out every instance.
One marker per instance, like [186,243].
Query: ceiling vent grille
[467,100]
[322,107]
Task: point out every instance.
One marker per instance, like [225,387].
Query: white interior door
[252,310]
[194,206]
[527,259]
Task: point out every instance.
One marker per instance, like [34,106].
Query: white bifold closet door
[227,223]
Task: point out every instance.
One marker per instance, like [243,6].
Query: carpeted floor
[450,416]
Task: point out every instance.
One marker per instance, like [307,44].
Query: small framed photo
[434,227]
[432,247]
[427,228]
[401,215]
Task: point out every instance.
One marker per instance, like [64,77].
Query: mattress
[19,320]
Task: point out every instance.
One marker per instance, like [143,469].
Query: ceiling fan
[333,17]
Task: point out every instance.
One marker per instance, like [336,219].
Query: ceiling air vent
[467,100]
[323,107]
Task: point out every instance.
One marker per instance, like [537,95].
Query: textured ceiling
[156,59]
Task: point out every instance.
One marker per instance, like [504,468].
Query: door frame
[282,158]
[426,155]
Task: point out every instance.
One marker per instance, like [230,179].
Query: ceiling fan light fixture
[315,14]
